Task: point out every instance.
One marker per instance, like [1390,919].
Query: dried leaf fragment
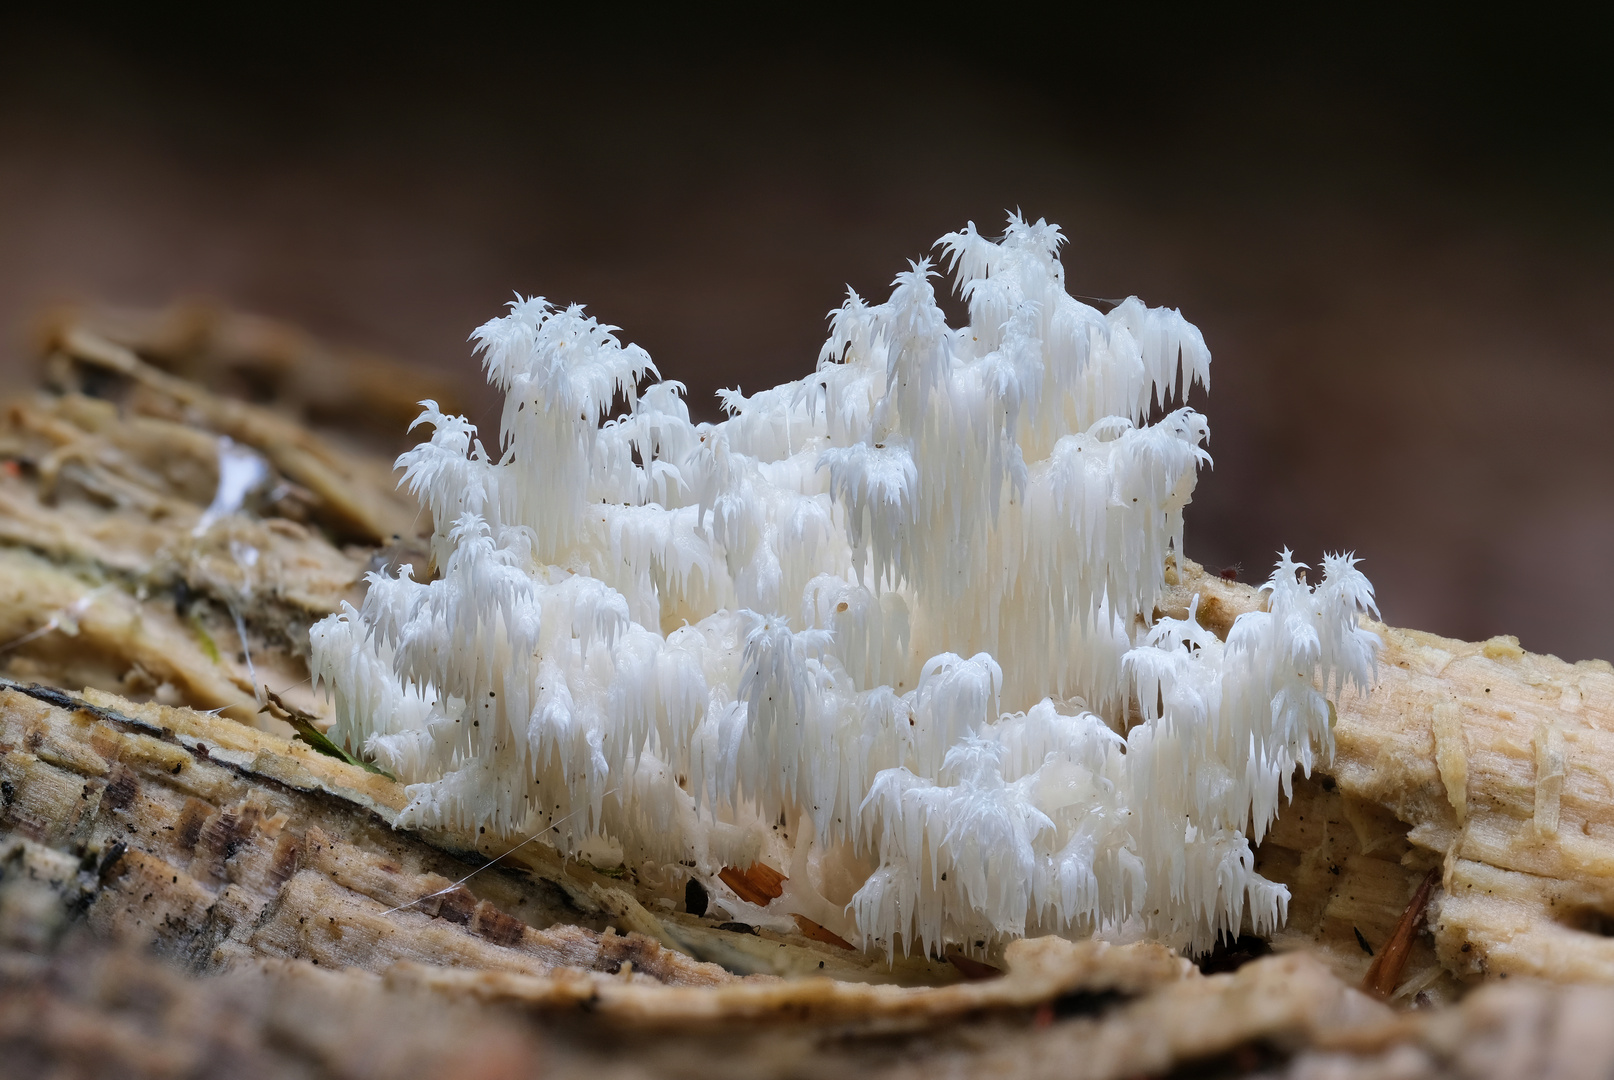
[972,969]
[757,884]
[1385,973]
[810,929]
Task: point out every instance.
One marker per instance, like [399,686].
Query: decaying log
[207,841]
[185,889]
[270,363]
[92,1012]
[233,850]
[211,841]
[348,498]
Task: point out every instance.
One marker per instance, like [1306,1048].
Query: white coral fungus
[880,627]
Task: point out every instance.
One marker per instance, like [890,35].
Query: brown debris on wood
[970,967]
[757,884]
[1384,975]
[813,931]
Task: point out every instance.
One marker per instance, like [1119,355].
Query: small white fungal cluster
[884,627]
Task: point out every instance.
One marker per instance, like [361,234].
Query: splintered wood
[1490,762]
[208,845]
[109,578]
[228,849]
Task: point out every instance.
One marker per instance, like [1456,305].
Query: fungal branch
[881,627]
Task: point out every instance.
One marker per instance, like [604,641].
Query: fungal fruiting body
[887,628]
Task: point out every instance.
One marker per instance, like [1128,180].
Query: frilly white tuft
[884,625]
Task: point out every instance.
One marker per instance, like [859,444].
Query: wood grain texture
[1526,848]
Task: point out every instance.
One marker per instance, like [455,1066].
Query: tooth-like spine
[903,607]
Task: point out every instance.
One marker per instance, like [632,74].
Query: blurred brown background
[1395,231]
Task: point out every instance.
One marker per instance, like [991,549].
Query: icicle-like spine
[898,610]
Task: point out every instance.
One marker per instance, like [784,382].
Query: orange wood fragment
[1385,973]
[810,929]
[756,885]
[972,969]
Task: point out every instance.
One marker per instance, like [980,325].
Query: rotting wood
[252,832]
[1476,763]
[271,363]
[1515,899]
[210,847]
[120,1014]
[349,503]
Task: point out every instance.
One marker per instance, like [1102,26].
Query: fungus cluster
[888,628]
